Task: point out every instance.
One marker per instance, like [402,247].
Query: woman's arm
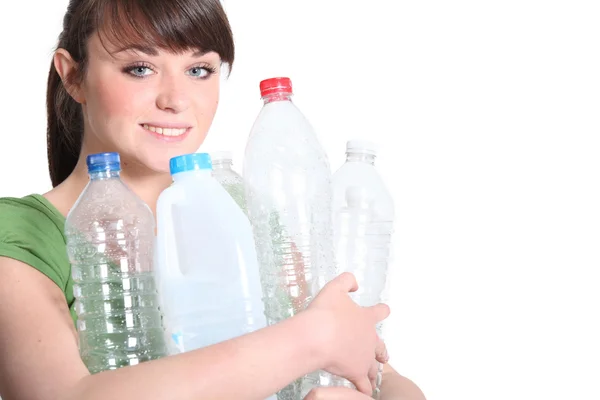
[252,367]
[396,387]
[39,358]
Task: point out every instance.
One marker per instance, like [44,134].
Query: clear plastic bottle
[110,238]
[206,264]
[222,162]
[363,218]
[288,191]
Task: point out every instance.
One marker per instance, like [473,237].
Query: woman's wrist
[314,331]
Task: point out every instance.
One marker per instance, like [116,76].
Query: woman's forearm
[396,387]
[240,368]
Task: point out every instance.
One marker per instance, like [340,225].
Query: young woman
[142,78]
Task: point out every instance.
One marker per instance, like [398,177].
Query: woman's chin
[160,163]
[156,159]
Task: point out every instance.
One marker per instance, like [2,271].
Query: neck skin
[145,183]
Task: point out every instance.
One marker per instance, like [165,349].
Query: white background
[488,113]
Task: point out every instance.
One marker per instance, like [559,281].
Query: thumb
[346,281]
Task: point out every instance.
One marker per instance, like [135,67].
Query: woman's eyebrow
[151,51]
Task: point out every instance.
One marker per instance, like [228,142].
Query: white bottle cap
[221,156]
[361,146]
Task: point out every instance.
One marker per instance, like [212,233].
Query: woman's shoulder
[32,231]
[31,215]
[33,205]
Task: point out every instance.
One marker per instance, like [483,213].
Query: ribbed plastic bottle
[223,172]
[363,223]
[287,180]
[110,237]
[363,220]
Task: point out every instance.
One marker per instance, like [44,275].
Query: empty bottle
[110,237]
[363,217]
[222,164]
[287,179]
[206,264]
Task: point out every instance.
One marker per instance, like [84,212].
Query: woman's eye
[140,71]
[198,72]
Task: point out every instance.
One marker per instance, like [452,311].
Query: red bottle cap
[275,85]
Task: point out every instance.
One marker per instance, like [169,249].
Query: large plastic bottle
[363,218]
[222,162]
[206,264]
[288,192]
[110,237]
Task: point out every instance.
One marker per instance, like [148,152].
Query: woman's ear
[67,68]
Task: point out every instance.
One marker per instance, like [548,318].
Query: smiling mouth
[172,132]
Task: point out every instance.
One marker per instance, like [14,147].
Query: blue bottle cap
[102,162]
[190,162]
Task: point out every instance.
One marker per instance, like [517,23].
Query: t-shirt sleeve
[29,235]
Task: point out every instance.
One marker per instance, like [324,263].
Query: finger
[335,393]
[347,282]
[379,312]
[363,385]
[373,371]
[381,353]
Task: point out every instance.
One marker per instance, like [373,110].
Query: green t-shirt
[32,231]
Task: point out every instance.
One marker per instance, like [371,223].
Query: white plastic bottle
[287,179]
[222,162]
[206,265]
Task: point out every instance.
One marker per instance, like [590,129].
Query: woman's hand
[375,371]
[336,393]
[347,332]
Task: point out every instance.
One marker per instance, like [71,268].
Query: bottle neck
[274,97]
[360,157]
[222,164]
[104,175]
[181,176]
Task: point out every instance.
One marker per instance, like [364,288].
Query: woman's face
[148,104]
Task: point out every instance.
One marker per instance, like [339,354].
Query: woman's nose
[173,95]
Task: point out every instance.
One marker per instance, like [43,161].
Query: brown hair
[174,25]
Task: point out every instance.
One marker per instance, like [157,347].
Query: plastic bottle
[110,237]
[363,218]
[222,162]
[288,191]
[206,263]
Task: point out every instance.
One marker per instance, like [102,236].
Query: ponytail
[64,131]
